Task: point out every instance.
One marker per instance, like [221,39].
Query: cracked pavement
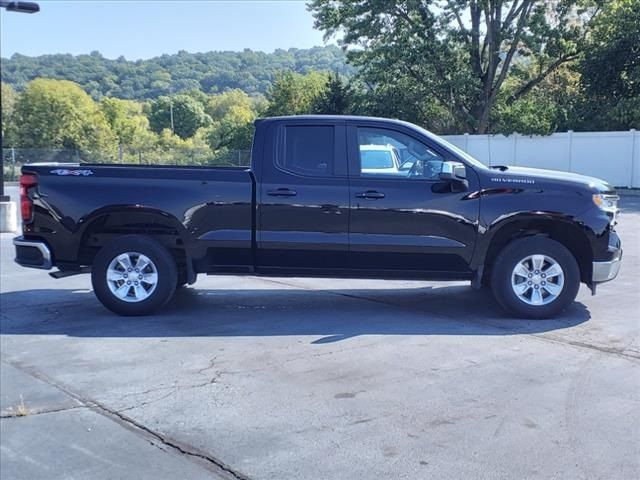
[257,378]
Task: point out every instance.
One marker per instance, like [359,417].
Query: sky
[148,28]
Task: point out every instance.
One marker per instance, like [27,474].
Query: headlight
[607,203]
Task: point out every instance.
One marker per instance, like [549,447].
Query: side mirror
[453,171]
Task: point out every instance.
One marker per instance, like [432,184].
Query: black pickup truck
[326,196]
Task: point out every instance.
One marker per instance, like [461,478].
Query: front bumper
[32,253]
[608,270]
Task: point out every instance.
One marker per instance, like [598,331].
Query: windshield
[376,159]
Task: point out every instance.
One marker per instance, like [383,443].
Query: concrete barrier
[8,217]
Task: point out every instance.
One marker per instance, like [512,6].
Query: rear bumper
[32,253]
[608,270]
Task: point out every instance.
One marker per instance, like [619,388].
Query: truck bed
[208,205]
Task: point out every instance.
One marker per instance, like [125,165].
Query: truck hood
[531,176]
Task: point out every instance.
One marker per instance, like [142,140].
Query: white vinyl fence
[612,156]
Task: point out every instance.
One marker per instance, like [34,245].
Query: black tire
[512,254]
[163,261]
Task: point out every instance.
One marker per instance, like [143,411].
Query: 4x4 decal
[77,173]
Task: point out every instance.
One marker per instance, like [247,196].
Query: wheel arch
[106,224]
[564,231]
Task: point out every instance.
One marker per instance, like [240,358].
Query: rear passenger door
[304,199]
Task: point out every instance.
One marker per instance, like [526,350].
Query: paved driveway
[244,377]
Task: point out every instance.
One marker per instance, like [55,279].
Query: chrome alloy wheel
[537,280]
[132,277]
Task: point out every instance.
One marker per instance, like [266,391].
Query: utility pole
[171,107]
[8,209]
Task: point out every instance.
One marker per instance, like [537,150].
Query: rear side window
[309,150]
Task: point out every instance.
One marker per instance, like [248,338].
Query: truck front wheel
[134,275]
[535,277]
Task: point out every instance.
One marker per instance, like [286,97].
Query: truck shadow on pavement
[329,315]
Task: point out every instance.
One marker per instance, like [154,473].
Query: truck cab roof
[330,119]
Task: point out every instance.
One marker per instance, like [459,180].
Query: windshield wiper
[502,168]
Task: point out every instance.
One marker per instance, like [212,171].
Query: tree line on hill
[210,72]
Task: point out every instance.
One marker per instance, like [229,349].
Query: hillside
[210,72]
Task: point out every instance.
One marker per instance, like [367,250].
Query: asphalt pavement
[246,377]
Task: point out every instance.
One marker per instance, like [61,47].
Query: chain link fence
[14,158]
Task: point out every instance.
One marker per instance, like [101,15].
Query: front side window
[309,150]
[393,154]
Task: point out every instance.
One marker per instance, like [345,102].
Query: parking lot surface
[245,377]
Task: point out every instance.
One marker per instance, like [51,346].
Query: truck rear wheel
[535,277]
[134,275]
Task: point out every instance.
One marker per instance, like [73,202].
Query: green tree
[188,115]
[336,99]
[59,114]
[233,113]
[404,100]
[130,127]
[611,68]
[234,131]
[219,105]
[199,96]
[550,106]
[171,149]
[125,118]
[458,53]
[294,94]
[8,103]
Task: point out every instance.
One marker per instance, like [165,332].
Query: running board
[69,273]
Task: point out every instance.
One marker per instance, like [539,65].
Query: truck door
[403,217]
[303,199]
